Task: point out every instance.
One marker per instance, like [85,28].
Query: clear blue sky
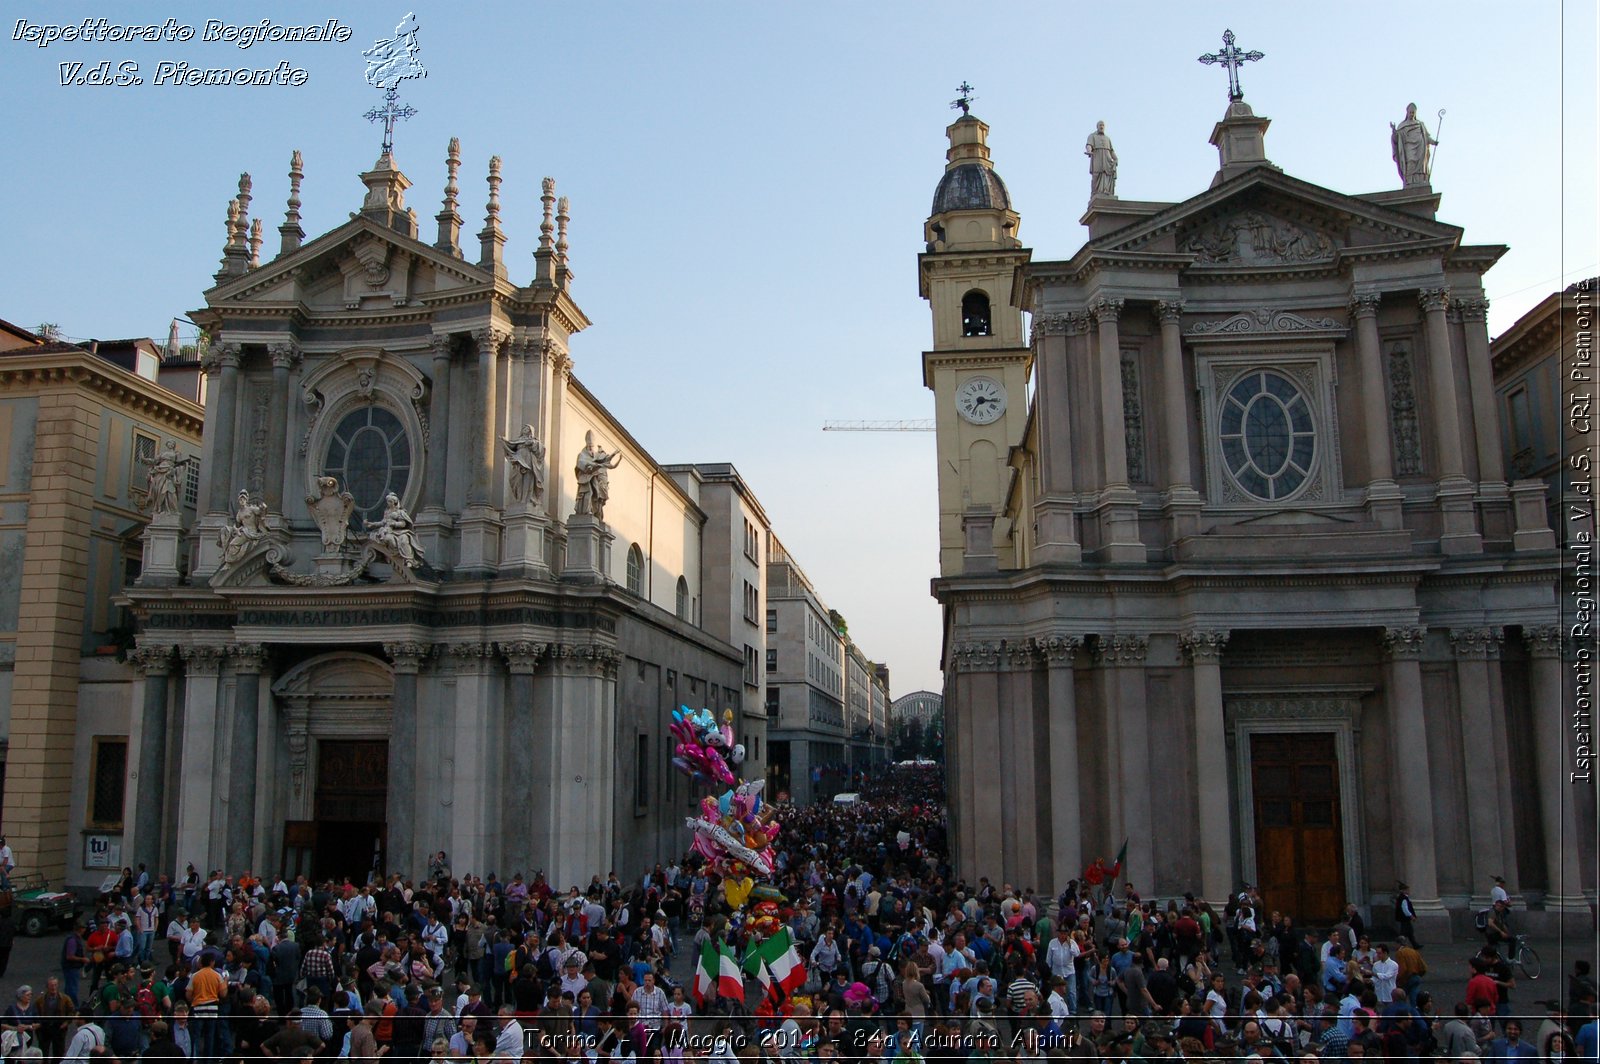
[749,183]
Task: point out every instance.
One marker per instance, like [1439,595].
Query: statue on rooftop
[1409,143]
[1102,163]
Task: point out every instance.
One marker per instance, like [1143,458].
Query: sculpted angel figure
[594,480]
[249,527]
[330,509]
[525,453]
[395,537]
[161,482]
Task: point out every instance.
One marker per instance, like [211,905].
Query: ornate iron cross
[387,115]
[1231,58]
[963,101]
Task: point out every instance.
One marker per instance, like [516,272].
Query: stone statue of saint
[526,457]
[1409,143]
[161,483]
[1102,163]
[594,482]
[249,528]
[395,538]
[330,509]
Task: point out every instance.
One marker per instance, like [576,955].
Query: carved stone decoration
[1433,299]
[260,403]
[161,482]
[246,537]
[1477,644]
[395,539]
[248,657]
[975,657]
[1058,650]
[1105,310]
[151,659]
[314,406]
[202,660]
[299,741]
[407,657]
[1048,325]
[1264,320]
[522,656]
[1251,238]
[1403,425]
[330,509]
[525,460]
[1133,415]
[593,478]
[1204,646]
[1474,309]
[373,255]
[1115,650]
[1169,311]
[1543,640]
[1404,642]
[585,658]
[1020,656]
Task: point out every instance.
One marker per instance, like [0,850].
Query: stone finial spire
[255,243]
[544,258]
[449,221]
[491,239]
[563,273]
[290,234]
[235,255]
[173,349]
[244,202]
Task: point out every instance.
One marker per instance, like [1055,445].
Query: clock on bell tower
[978,367]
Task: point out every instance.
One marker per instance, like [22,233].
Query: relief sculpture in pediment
[1255,239]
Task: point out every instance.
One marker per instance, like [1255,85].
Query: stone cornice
[20,373]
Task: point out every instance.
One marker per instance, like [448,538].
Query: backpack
[1481,921]
[145,1002]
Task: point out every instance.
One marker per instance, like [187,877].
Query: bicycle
[1525,957]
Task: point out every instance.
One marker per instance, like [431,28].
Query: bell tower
[978,367]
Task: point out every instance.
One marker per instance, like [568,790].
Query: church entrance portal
[1299,833]
[348,837]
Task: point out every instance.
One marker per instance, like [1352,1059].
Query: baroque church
[1231,568]
[435,596]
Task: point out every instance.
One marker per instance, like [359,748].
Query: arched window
[370,455]
[975,314]
[683,599]
[635,570]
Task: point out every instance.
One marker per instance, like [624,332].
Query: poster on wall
[102,851]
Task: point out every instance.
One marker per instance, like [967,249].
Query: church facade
[1231,565]
[436,597]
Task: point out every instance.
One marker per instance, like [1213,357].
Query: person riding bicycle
[1497,928]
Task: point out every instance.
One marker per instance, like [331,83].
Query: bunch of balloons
[705,752]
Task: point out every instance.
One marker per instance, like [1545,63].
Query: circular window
[370,454]
[1269,439]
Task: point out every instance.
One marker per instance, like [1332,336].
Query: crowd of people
[905,962]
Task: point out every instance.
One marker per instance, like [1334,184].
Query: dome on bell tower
[971,193]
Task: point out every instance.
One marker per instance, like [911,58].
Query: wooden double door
[1299,829]
[349,835]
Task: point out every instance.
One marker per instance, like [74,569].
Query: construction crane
[909,425]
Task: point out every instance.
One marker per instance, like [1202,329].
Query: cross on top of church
[963,101]
[389,62]
[1232,58]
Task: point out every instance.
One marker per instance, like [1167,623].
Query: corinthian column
[1113,430]
[1065,803]
[1456,496]
[1479,740]
[1480,381]
[403,735]
[516,824]
[1408,754]
[1557,791]
[221,450]
[249,658]
[438,423]
[483,444]
[150,791]
[1175,411]
[284,358]
[1211,764]
[1123,657]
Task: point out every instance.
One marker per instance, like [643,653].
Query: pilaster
[522,753]
[404,733]
[1057,539]
[1473,647]
[573,797]
[248,661]
[477,731]
[1117,509]
[1384,497]
[1217,877]
[1065,803]
[1456,495]
[977,695]
[1557,790]
[1413,795]
[1181,503]
[433,521]
[197,765]
[285,356]
[149,774]
[1123,656]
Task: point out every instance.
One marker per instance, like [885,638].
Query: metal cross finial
[1231,58]
[964,101]
[387,114]
[389,62]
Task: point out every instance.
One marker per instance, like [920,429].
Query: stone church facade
[436,597]
[1231,566]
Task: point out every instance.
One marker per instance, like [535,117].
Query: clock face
[981,400]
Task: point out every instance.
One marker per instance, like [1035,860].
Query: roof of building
[970,186]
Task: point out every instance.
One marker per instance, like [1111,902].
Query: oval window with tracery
[1269,437]
[370,454]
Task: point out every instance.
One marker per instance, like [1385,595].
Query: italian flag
[717,975]
[777,964]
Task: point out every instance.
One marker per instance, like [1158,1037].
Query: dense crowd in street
[903,962]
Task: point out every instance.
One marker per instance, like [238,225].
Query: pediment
[1266,219]
[360,265]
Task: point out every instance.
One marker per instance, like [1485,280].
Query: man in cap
[1405,914]
[1498,891]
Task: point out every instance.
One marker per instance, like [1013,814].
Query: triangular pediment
[360,265]
[1267,219]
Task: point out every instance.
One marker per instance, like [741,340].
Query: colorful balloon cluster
[705,752]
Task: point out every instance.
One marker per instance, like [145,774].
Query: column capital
[284,355]
[1432,299]
[1169,311]
[1121,650]
[1472,308]
[1404,643]
[202,660]
[219,355]
[1106,310]
[974,657]
[585,659]
[1049,325]
[1204,646]
[407,657]
[248,657]
[443,345]
[1020,656]
[152,660]
[1365,304]
[493,338]
[523,655]
[462,655]
[1477,644]
[1058,651]
[1543,640]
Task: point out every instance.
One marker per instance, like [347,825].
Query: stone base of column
[1385,502]
[1433,922]
[1058,534]
[1117,511]
[978,555]
[1458,517]
[433,535]
[480,531]
[208,556]
[1494,511]
[588,550]
[1180,508]
[1533,530]
[163,538]
[523,550]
